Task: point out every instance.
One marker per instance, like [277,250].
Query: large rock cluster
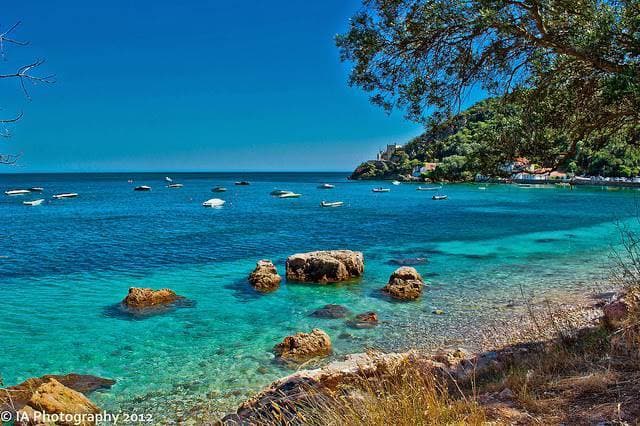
[325,266]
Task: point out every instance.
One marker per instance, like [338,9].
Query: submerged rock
[405,284]
[409,261]
[325,266]
[140,298]
[264,277]
[364,320]
[331,311]
[304,346]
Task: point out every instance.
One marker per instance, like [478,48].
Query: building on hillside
[518,165]
[424,168]
[389,152]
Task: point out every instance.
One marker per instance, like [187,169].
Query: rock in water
[265,277]
[331,311]
[325,266]
[364,320]
[140,298]
[53,397]
[304,346]
[405,284]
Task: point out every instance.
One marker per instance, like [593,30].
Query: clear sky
[190,86]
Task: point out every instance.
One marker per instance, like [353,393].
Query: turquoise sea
[66,264]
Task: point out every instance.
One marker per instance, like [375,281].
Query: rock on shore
[405,284]
[331,311]
[325,266]
[304,346]
[141,298]
[53,394]
[364,320]
[264,277]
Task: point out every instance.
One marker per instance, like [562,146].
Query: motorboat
[439,197]
[482,187]
[396,182]
[242,183]
[214,202]
[428,188]
[33,203]
[289,194]
[331,204]
[219,189]
[36,189]
[278,192]
[168,179]
[142,188]
[381,190]
[65,195]
[326,186]
[12,192]
[175,185]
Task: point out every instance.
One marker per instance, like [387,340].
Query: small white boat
[396,182]
[439,197]
[12,192]
[331,204]
[214,202]
[130,181]
[289,195]
[65,195]
[219,189]
[326,186]
[278,192]
[36,189]
[33,203]
[243,183]
[175,185]
[381,190]
[482,187]
[168,179]
[428,188]
[142,188]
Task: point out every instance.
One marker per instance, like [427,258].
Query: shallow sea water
[66,264]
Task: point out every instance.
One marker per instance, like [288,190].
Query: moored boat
[214,202]
[242,183]
[331,203]
[36,189]
[12,192]
[218,189]
[289,194]
[278,192]
[33,203]
[175,185]
[65,195]
[439,197]
[396,182]
[326,186]
[428,188]
[381,189]
[142,188]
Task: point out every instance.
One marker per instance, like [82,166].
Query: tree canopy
[570,65]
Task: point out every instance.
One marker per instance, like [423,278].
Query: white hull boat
[214,202]
[396,182]
[65,195]
[331,204]
[13,192]
[219,189]
[289,195]
[428,188]
[439,197]
[142,188]
[381,190]
[33,203]
[326,186]
[175,185]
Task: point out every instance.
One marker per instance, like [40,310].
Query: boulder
[325,266]
[331,311]
[405,284]
[264,277]
[304,346]
[20,395]
[53,397]
[140,298]
[364,320]
[615,313]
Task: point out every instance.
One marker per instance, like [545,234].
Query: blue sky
[191,86]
